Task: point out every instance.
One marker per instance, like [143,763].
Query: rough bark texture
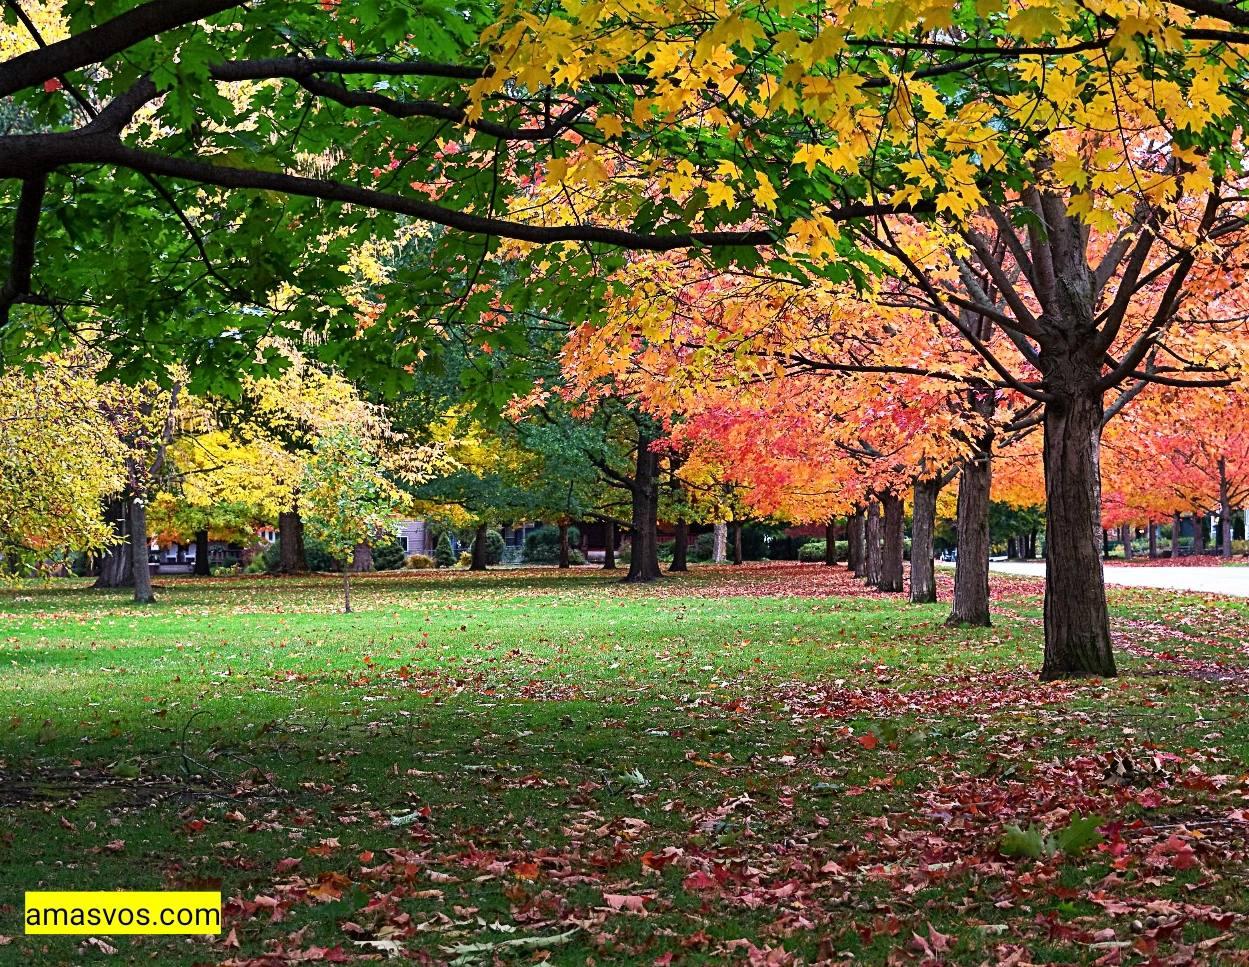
[892,552]
[830,543]
[720,542]
[1125,540]
[293,559]
[609,547]
[116,561]
[923,523]
[1199,533]
[565,560]
[1225,512]
[971,567]
[680,547]
[1077,625]
[1176,520]
[202,567]
[479,549]
[644,552]
[856,540]
[362,558]
[871,554]
[138,547]
[1153,540]
[737,542]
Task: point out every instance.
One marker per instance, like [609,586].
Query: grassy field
[759,765]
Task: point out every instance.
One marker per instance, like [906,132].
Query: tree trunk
[117,560]
[1077,625]
[346,591]
[609,547]
[644,554]
[830,542]
[971,567]
[293,558]
[1012,548]
[856,559]
[1125,540]
[1199,532]
[1225,512]
[202,567]
[139,549]
[720,542]
[478,562]
[565,561]
[1032,545]
[737,542]
[680,547]
[871,556]
[1153,540]
[923,523]
[1176,522]
[362,558]
[892,554]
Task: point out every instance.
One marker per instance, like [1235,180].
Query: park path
[1232,581]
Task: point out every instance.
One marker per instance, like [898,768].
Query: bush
[387,556]
[575,556]
[786,548]
[542,545]
[317,556]
[256,565]
[704,547]
[811,552]
[665,550]
[444,556]
[466,559]
[418,562]
[225,570]
[495,546]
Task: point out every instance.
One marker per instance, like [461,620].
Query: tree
[348,500]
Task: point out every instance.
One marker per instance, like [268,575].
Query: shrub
[575,556]
[387,556]
[315,554]
[225,570]
[444,556]
[466,558]
[418,562]
[665,550]
[812,552]
[704,547]
[494,547]
[542,545]
[256,565]
[786,548]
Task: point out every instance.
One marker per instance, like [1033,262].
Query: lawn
[762,765]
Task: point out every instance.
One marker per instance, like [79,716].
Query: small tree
[444,555]
[345,498]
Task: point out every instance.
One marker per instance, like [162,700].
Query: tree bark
[1176,522]
[117,560]
[479,549]
[644,553]
[293,557]
[1125,540]
[362,558]
[871,530]
[1153,540]
[139,549]
[1077,624]
[609,546]
[856,557]
[923,524]
[737,542]
[1225,512]
[720,542]
[202,567]
[894,543]
[830,542]
[565,561]
[680,547]
[971,567]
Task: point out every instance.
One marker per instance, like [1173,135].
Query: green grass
[840,766]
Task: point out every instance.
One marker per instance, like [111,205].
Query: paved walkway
[1213,580]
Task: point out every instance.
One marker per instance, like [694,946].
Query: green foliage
[387,555]
[1074,838]
[1025,843]
[542,545]
[315,553]
[1080,834]
[812,552]
[495,546]
[418,562]
[444,556]
[704,547]
[786,548]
